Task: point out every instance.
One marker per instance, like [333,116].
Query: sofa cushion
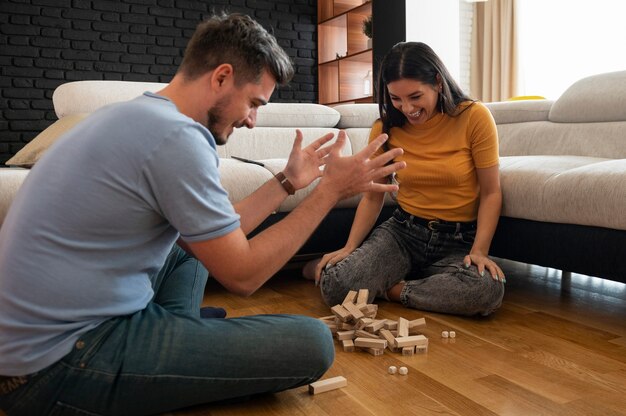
[593,99]
[87,96]
[10,179]
[296,115]
[564,189]
[271,142]
[31,153]
[357,115]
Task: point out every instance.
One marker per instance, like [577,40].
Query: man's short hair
[238,40]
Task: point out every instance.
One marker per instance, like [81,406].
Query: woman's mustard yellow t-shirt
[442,155]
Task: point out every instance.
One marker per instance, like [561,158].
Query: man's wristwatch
[288,186]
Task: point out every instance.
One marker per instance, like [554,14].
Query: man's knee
[317,341]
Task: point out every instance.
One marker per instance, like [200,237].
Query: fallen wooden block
[350,297]
[341,313]
[362,296]
[370,343]
[322,386]
[412,340]
[403,327]
[348,345]
[354,311]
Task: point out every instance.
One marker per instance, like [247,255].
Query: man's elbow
[240,285]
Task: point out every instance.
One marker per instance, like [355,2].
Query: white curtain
[493,63]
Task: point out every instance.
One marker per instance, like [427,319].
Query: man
[100,315]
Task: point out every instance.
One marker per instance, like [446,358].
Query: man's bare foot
[394,293]
[308,271]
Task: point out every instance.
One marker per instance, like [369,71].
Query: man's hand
[349,176]
[303,166]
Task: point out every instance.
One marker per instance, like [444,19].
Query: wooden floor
[556,347]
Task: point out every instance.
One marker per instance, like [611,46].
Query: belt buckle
[431,225]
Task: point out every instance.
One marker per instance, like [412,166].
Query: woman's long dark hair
[415,60]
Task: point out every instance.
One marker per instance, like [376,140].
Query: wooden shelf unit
[344,54]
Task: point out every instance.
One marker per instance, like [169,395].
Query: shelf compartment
[328,82]
[332,39]
[352,73]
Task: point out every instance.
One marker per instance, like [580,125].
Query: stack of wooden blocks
[354,324]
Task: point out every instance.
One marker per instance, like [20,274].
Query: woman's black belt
[435,224]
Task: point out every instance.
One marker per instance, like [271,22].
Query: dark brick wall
[45,43]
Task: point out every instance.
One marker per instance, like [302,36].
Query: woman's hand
[483,262]
[329,260]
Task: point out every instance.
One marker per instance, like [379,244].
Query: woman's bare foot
[394,293]
[308,271]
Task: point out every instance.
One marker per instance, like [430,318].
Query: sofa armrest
[507,112]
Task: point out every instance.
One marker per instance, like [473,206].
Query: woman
[432,254]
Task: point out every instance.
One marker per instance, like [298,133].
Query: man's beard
[215,117]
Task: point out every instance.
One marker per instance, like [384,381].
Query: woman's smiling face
[415,99]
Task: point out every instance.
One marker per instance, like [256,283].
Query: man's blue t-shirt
[94,221]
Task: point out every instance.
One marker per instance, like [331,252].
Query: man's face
[238,107]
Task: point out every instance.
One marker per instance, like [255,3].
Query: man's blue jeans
[165,357]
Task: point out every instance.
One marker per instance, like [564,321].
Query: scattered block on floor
[389,324]
[353,310]
[387,336]
[403,371]
[322,386]
[348,345]
[392,369]
[408,351]
[343,335]
[411,341]
[341,313]
[403,328]
[362,296]
[350,297]
[360,333]
[354,319]
[445,334]
[452,334]
[370,343]
[375,351]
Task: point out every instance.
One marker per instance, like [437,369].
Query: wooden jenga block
[329,384]
[362,296]
[375,351]
[350,297]
[375,326]
[416,326]
[421,349]
[345,326]
[348,345]
[412,340]
[362,323]
[417,322]
[370,343]
[341,335]
[387,336]
[354,311]
[371,311]
[341,313]
[328,318]
[403,328]
[364,334]
[408,350]
[389,324]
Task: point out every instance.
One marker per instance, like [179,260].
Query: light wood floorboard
[556,347]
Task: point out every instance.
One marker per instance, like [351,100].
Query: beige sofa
[563,167]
